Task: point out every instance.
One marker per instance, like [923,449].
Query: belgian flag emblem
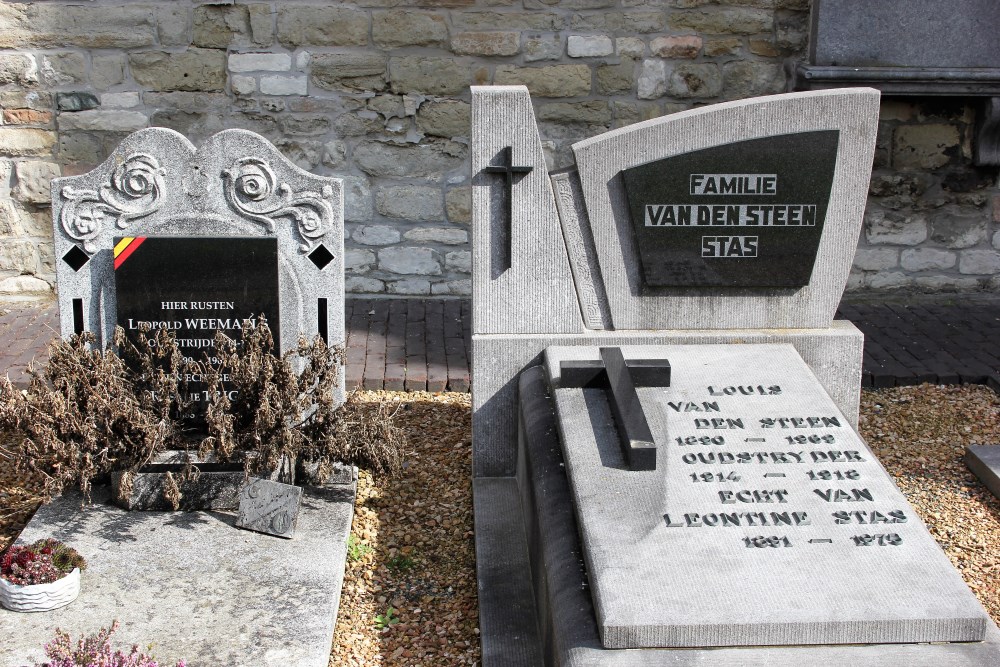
[125,247]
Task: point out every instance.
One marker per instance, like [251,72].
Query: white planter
[40,597]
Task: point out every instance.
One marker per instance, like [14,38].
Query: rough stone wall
[376,92]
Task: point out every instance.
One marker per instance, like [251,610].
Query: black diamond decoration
[321,256]
[76,258]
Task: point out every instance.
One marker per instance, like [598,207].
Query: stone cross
[620,378]
[508,170]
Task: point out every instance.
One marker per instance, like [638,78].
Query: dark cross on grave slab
[620,378]
[507,168]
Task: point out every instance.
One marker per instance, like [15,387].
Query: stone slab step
[984,462]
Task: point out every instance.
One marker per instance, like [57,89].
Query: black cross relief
[619,378]
[502,232]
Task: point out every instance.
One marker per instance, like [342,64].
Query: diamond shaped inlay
[76,257]
[321,256]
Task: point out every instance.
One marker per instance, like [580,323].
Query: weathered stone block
[334,153]
[350,71]
[927,146]
[445,118]
[694,80]
[19,256]
[618,78]
[316,25]
[409,261]
[676,46]
[24,285]
[26,117]
[33,181]
[260,62]
[221,26]
[547,81]
[891,227]
[397,28]
[979,262]
[724,21]
[876,259]
[542,47]
[388,106]
[597,112]
[445,235]
[410,286]
[458,204]
[947,283]
[49,25]
[242,85]
[102,120]
[889,280]
[25,142]
[587,46]
[954,230]
[429,75]
[630,47]
[922,259]
[358,124]
[763,47]
[120,100]
[192,70]
[107,70]
[726,46]
[410,202]
[173,25]
[431,159]
[486,20]
[359,285]
[458,260]
[592,22]
[652,79]
[261,24]
[453,288]
[488,44]
[284,85]
[359,261]
[26,99]
[17,68]
[643,22]
[60,69]
[76,101]
[376,235]
[751,79]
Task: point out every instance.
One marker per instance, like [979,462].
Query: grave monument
[666,466]
[199,240]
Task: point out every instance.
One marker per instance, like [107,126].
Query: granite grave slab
[984,462]
[193,585]
[767,520]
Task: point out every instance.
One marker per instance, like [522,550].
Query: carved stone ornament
[252,190]
[135,190]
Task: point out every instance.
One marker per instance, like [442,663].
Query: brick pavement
[425,344]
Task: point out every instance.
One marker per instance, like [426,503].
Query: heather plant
[94,651]
[91,412]
[42,562]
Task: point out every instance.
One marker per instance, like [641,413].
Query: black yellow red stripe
[125,247]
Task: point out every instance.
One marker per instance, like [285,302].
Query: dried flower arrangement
[42,562]
[94,650]
[90,412]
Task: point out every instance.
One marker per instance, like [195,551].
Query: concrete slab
[767,521]
[194,585]
[984,462]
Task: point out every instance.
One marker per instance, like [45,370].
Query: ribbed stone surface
[853,112]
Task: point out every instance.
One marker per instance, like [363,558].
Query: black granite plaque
[196,286]
[746,214]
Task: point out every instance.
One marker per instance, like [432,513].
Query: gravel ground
[412,540]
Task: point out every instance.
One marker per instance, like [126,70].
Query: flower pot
[40,597]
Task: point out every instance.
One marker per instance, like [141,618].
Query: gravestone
[269,507]
[665,463]
[199,240]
